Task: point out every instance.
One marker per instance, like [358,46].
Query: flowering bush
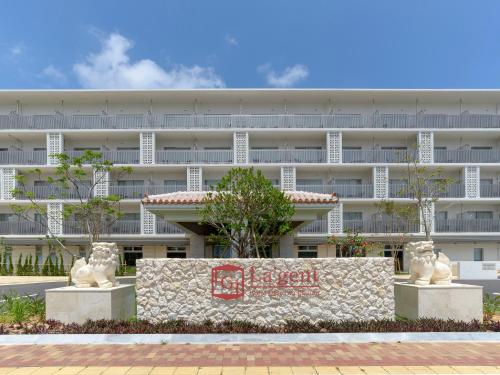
[353,245]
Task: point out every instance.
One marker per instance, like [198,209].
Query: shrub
[491,304]
[61,271]
[45,267]
[36,267]
[10,270]
[20,309]
[19,266]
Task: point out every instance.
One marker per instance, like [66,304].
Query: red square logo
[228,282]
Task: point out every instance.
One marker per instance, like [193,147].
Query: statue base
[77,305]
[459,302]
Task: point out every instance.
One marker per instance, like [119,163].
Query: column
[426,147]
[472,176]
[55,218]
[55,145]
[194,179]
[380,182]
[334,147]
[148,221]
[240,147]
[7,182]
[286,246]
[101,181]
[147,147]
[335,219]
[428,216]
[197,245]
[288,180]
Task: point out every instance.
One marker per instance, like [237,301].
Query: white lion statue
[100,272]
[425,267]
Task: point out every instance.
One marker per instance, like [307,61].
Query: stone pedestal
[459,302]
[76,305]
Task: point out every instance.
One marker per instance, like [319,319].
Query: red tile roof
[196,197]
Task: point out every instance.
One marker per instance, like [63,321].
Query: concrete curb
[291,338]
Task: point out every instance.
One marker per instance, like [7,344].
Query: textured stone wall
[266,291]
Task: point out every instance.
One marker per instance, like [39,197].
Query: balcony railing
[118,227]
[21,227]
[53,192]
[138,191]
[450,191]
[194,157]
[317,226]
[489,191]
[116,157]
[23,157]
[176,121]
[342,191]
[467,225]
[378,156]
[163,227]
[287,156]
[467,156]
[380,226]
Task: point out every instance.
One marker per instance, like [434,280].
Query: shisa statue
[427,268]
[100,271]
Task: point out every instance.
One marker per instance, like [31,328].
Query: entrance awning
[180,208]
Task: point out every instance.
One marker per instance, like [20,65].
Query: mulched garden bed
[179,326]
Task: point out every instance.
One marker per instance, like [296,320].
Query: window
[213,183]
[40,183]
[486,181]
[440,148]
[131,216]
[216,148]
[353,216]
[39,149]
[264,148]
[308,147]
[131,254]
[38,218]
[176,252]
[347,181]
[308,251]
[479,148]
[478,254]
[4,149]
[6,217]
[442,215]
[86,148]
[82,252]
[170,148]
[39,253]
[130,182]
[309,181]
[127,148]
[351,148]
[396,148]
[475,215]
[220,251]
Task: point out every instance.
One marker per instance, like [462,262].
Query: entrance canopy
[180,208]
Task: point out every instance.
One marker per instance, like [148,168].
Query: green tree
[11,266]
[353,244]
[36,267]
[19,266]
[248,214]
[30,265]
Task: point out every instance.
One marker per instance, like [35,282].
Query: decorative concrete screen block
[380,182]
[266,291]
[288,178]
[148,222]
[426,147]
[77,305]
[454,301]
[428,217]
[472,182]
[55,218]
[334,147]
[8,182]
[194,179]
[101,180]
[147,148]
[240,147]
[335,216]
[55,145]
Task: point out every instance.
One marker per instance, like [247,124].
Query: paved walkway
[393,358]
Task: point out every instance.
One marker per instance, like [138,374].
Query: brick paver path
[296,355]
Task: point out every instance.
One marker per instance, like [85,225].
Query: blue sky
[258,43]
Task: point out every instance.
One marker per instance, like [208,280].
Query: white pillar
[55,145]
[335,219]
[101,181]
[7,182]
[55,218]
[380,182]
[240,147]
[426,147]
[288,179]
[194,179]
[148,221]
[147,147]
[334,147]
[472,177]
[197,245]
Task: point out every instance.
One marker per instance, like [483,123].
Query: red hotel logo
[228,282]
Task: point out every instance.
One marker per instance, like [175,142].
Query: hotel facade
[350,142]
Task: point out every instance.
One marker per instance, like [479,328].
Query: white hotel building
[346,141]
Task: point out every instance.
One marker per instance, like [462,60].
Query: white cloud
[54,73]
[287,78]
[15,51]
[231,40]
[111,68]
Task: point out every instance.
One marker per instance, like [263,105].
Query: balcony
[139,191]
[118,227]
[194,157]
[378,156]
[467,225]
[22,227]
[467,156]
[224,121]
[317,226]
[489,191]
[163,227]
[451,191]
[342,191]
[115,157]
[287,156]
[23,157]
[380,226]
[53,192]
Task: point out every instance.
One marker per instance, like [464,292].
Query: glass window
[478,254]
[170,148]
[220,251]
[39,149]
[308,251]
[130,182]
[394,148]
[481,148]
[347,181]
[216,148]
[486,181]
[87,148]
[308,147]
[82,252]
[442,215]
[131,254]
[351,148]
[353,216]
[127,148]
[176,252]
[131,216]
[39,253]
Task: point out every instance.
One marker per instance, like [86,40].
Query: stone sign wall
[266,291]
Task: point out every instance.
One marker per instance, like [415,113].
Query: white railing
[287,156]
[450,191]
[467,225]
[489,191]
[342,191]
[378,156]
[115,157]
[194,157]
[23,157]
[467,156]
[21,227]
